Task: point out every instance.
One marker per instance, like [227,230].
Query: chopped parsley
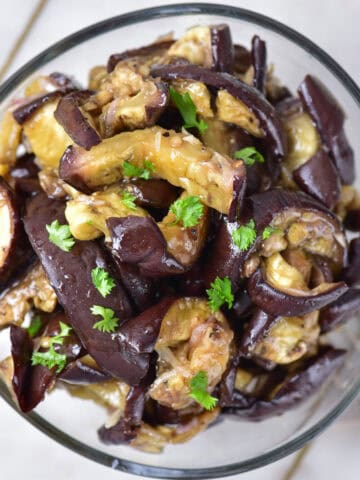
[220,293]
[128,199]
[268,231]
[244,236]
[133,171]
[102,281]
[198,386]
[108,323]
[60,236]
[51,358]
[187,108]
[35,326]
[187,210]
[249,155]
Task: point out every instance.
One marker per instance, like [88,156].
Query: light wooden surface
[334,25]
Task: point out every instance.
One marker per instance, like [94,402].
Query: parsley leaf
[60,236]
[187,108]
[249,155]
[102,281]
[198,385]
[133,171]
[220,293]
[51,358]
[128,199]
[35,326]
[268,231]
[188,210]
[109,322]
[244,236]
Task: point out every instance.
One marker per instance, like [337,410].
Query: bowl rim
[107,25]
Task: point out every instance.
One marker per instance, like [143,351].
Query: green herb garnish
[128,199]
[60,236]
[133,171]
[108,323]
[187,210]
[244,236]
[51,358]
[268,231]
[249,156]
[102,281]
[35,326]
[198,385]
[220,293]
[187,108]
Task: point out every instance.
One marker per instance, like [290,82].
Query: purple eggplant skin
[29,383]
[258,57]
[70,117]
[64,82]
[70,275]
[126,428]
[256,329]
[298,387]
[339,312]
[153,49]
[242,59]
[26,110]
[278,303]
[222,48]
[351,273]
[141,290]
[352,220]
[155,193]
[24,177]
[16,252]
[319,178]
[78,372]
[228,396]
[224,259]
[139,241]
[262,109]
[329,118]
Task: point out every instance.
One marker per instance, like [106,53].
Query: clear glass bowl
[232,446]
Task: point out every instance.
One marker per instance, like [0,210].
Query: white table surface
[334,25]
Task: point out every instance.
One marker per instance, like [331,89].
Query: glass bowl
[231,446]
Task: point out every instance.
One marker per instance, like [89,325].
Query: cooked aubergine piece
[143,55]
[192,338]
[155,193]
[87,214]
[209,46]
[70,116]
[46,137]
[258,57]
[83,371]
[238,103]
[280,340]
[179,158]
[319,178]
[10,136]
[30,382]
[329,118]
[341,310]
[296,388]
[33,290]
[15,250]
[279,289]
[298,218]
